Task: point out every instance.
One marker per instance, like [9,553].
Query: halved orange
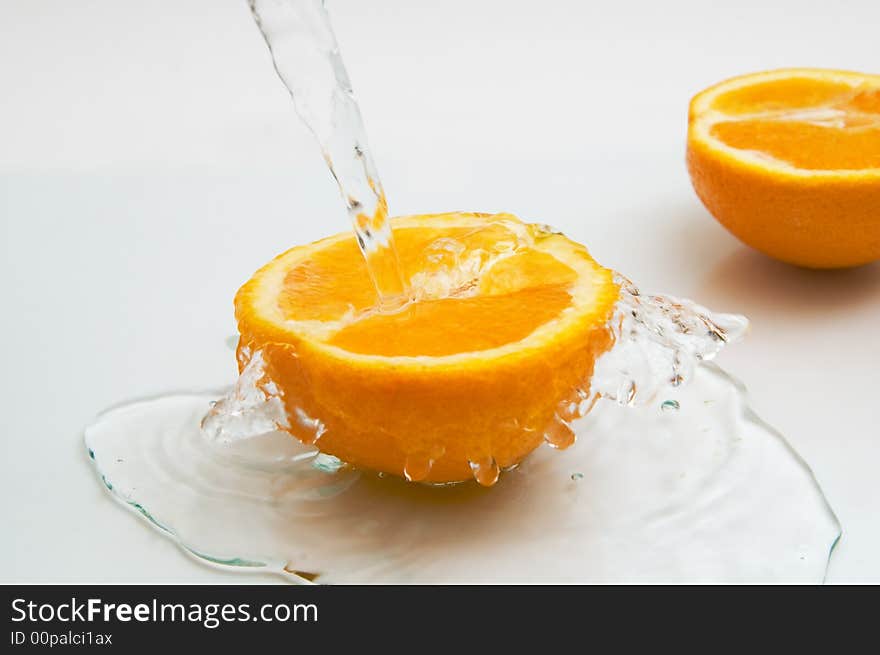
[789,162]
[506,323]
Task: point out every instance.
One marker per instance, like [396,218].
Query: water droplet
[542,230]
[312,429]
[327,463]
[559,434]
[485,470]
[573,407]
[626,392]
[588,403]
[417,467]
[669,406]
[568,411]
[577,476]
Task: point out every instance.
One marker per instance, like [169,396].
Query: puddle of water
[705,493]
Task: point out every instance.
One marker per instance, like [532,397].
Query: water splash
[658,342]
[251,408]
[453,266]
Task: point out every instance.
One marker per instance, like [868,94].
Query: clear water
[307,59]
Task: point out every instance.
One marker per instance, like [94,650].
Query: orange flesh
[335,281]
[518,294]
[805,146]
[466,324]
[790,93]
[807,123]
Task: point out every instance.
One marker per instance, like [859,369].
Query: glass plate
[692,488]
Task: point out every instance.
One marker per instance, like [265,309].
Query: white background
[150,162]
